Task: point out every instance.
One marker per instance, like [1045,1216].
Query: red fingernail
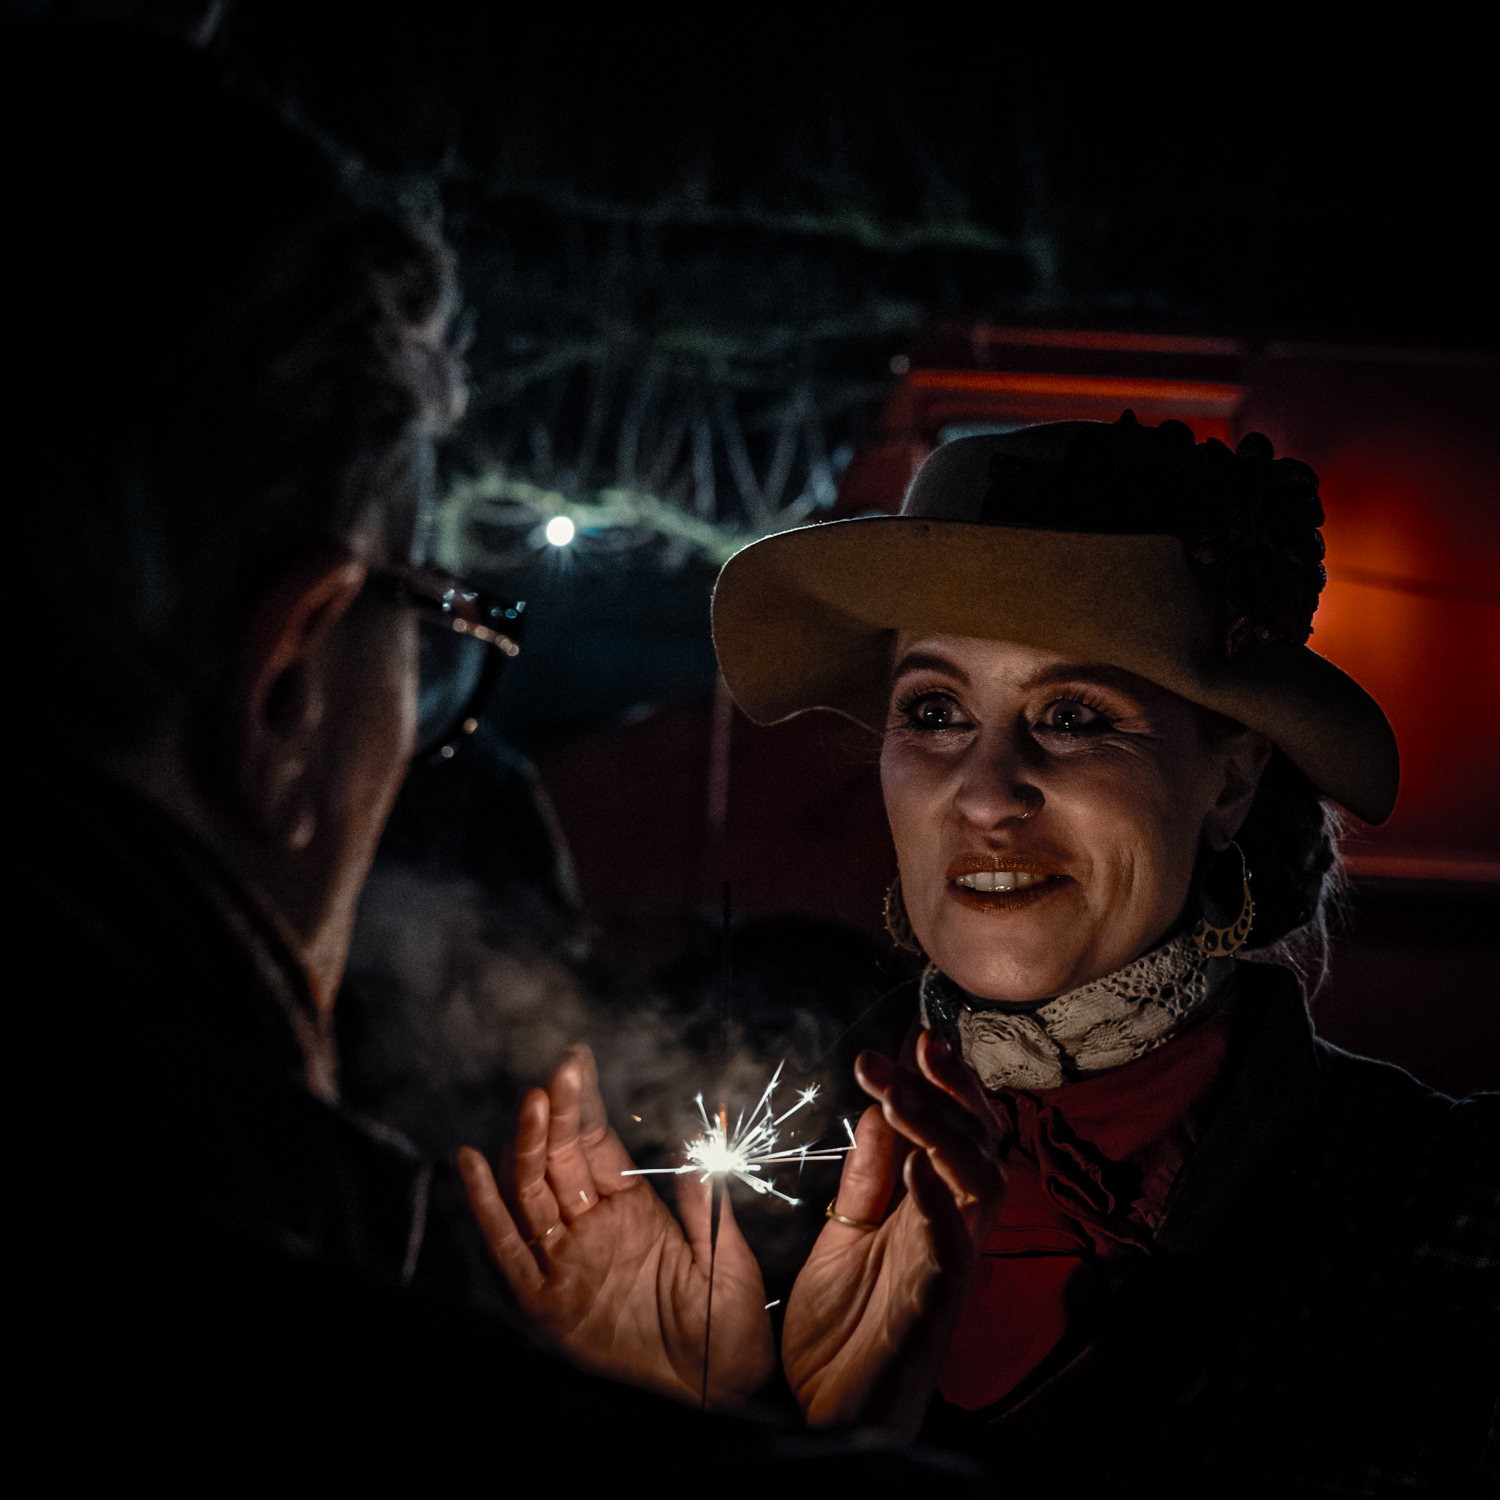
[877,1068]
[939,1047]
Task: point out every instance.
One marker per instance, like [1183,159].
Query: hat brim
[808,619]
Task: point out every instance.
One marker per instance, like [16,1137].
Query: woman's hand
[600,1265]
[873,1310]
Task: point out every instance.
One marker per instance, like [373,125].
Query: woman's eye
[1072,718]
[934,711]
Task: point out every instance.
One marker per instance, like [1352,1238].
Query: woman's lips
[980,884]
[999,880]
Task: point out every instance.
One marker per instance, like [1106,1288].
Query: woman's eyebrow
[1094,674]
[917,661]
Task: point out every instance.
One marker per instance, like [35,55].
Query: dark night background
[692,244]
[701,220]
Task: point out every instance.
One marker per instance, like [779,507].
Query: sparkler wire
[713,1253]
[718,1154]
[744,1153]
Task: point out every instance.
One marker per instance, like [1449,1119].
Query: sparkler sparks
[750,1149]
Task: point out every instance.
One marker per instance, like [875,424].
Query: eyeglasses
[466,638]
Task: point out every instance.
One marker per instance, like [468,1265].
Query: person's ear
[277,693]
[1244,759]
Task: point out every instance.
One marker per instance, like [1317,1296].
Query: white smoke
[460,1024]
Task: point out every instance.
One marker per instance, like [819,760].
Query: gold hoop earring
[1220,942]
[897,923]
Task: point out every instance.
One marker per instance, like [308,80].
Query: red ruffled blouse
[1088,1171]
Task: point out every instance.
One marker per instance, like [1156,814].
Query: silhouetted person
[233,361]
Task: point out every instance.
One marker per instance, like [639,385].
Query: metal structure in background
[691,251]
[648,455]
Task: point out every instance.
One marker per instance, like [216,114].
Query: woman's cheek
[914,797]
[1113,834]
[1138,836]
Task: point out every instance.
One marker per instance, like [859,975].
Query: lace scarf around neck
[1112,1021]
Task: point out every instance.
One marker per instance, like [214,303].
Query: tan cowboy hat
[809,618]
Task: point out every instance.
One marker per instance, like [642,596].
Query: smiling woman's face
[1047,813]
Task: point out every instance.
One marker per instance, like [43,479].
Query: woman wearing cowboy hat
[1117,1213]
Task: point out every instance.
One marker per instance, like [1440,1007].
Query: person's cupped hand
[600,1266]
[874,1309]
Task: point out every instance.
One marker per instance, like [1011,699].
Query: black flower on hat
[1263,553]
[1250,521]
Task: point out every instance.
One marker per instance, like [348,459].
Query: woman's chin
[1015,985]
[1032,956]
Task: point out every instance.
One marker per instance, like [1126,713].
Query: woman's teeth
[999,880]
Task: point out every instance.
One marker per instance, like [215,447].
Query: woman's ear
[275,696]
[1243,759]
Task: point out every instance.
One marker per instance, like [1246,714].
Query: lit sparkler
[746,1152]
[750,1149]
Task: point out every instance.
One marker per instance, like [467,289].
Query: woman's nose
[995,790]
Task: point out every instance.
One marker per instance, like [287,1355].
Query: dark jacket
[1317,1313]
[224,1272]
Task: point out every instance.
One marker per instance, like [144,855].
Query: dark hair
[229,347]
[1290,840]
[1250,524]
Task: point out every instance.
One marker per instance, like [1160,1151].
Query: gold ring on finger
[545,1234]
[832,1213]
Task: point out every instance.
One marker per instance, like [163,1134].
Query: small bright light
[715,1157]
[751,1149]
[559,531]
